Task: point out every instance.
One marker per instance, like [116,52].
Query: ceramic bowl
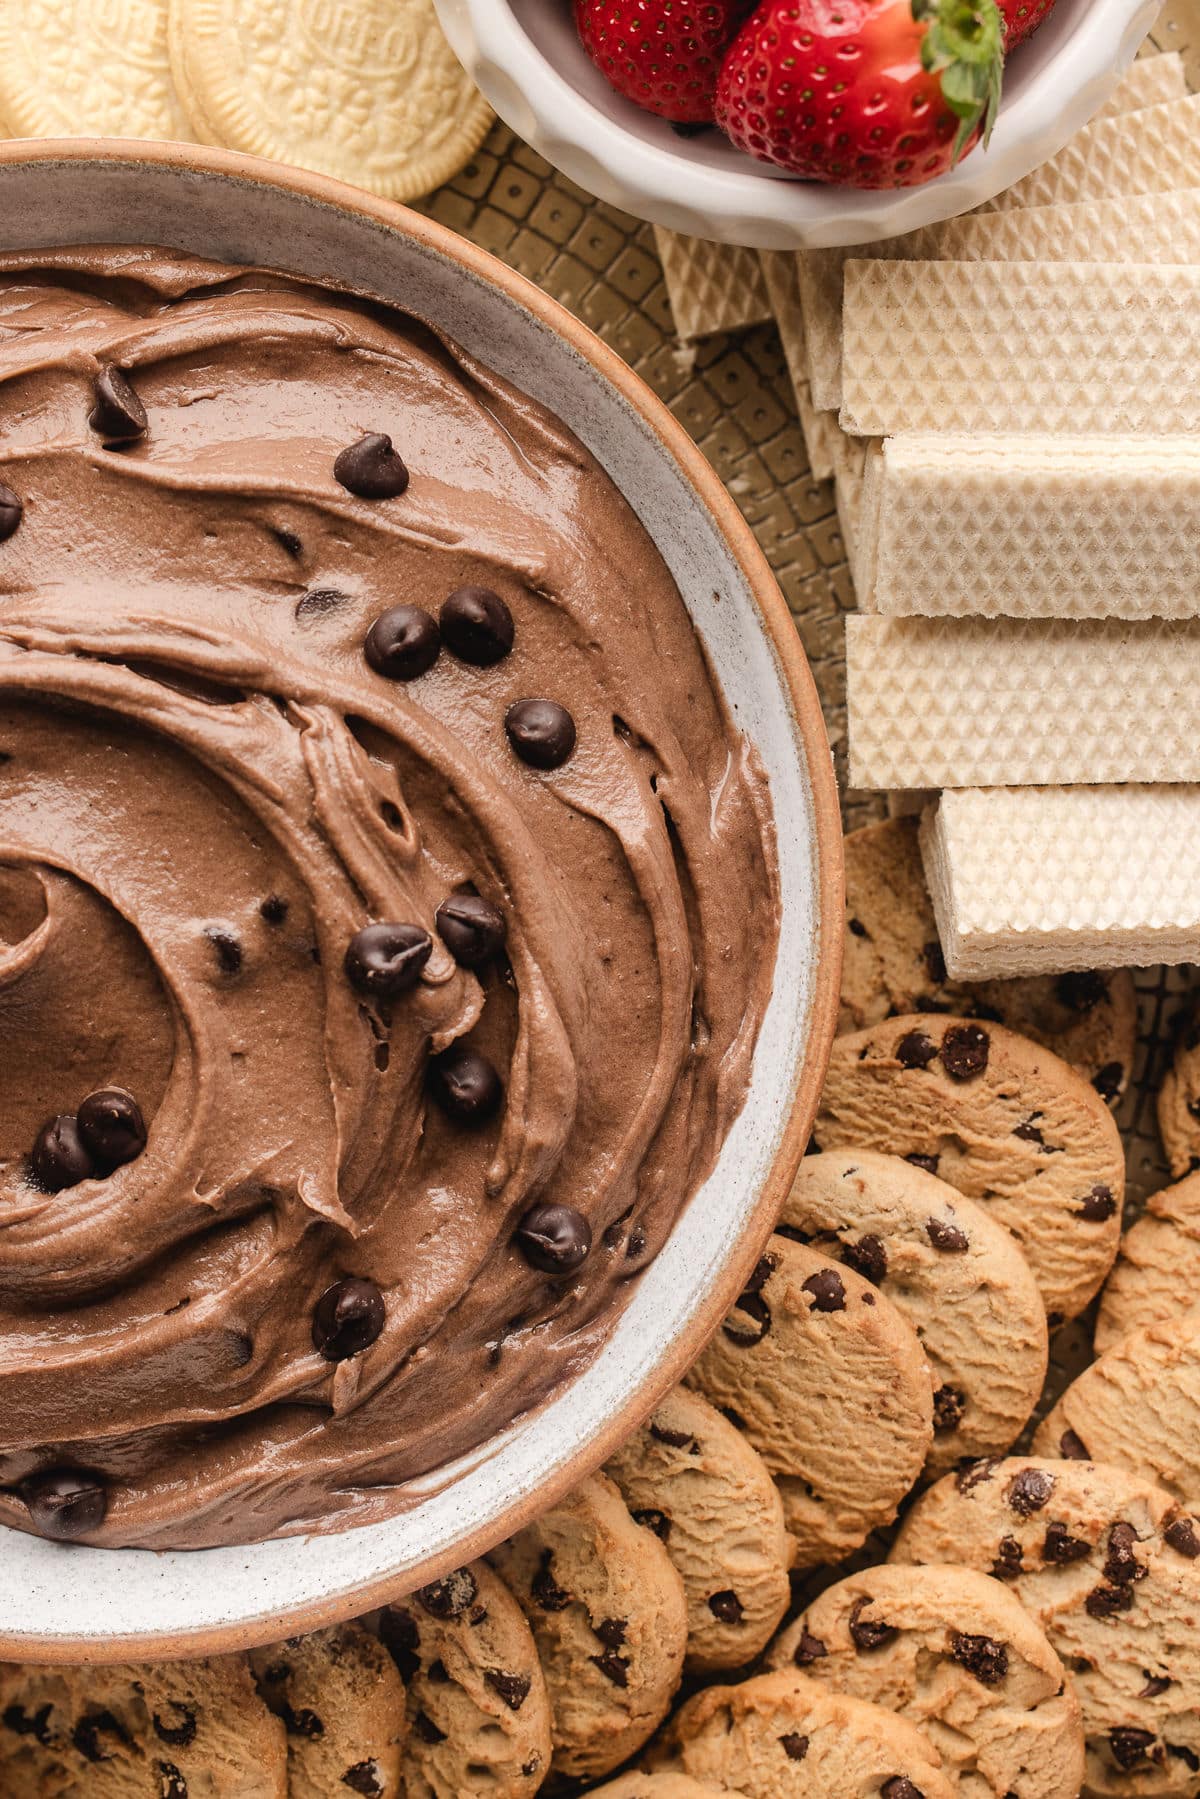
[68,1602]
[525,56]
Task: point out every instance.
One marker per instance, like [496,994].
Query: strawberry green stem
[965,46]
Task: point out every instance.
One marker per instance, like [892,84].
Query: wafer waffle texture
[1147,228]
[1007,702]
[1041,880]
[1031,527]
[1079,347]
[711,287]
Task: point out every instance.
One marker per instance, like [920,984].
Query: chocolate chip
[347,1318]
[949,1404]
[302,1723]
[65,1503]
[615,1667]
[674,1439]
[320,600]
[178,1736]
[1156,1684]
[1106,1602]
[975,1474]
[385,960]
[749,1321]
[60,1157]
[89,1730]
[371,468]
[273,909]
[1029,1491]
[612,1632]
[928,1163]
[465,1085]
[795,1747]
[915,1050]
[726,1607]
[900,1787]
[29,1724]
[11,511]
[935,962]
[654,1520]
[867,1634]
[1060,1547]
[867,1257]
[1183,1537]
[1187,1756]
[366,1778]
[1028,1132]
[1081,992]
[545,1589]
[946,1238]
[402,1640]
[404,642]
[1108,1080]
[857,928]
[117,414]
[984,1658]
[477,626]
[1121,1566]
[226,948]
[1130,1746]
[427,1730]
[512,1688]
[171,1783]
[112,1128]
[554,1238]
[827,1290]
[761,1273]
[1096,1206]
[1072,1448]
[451,1596]
[472,929]
[287,540]
[541,732]
[965,1051]
[808,1650]
[1007,1564]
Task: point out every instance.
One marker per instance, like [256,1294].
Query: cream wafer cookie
[1038,880]
[1032,526]
[711,287]
[1011,702]
[781,277]
[1151,151]
[1144,228]
[1084,347]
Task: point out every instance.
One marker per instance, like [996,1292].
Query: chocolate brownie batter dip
[388,903]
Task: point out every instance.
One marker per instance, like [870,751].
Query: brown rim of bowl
[829,884]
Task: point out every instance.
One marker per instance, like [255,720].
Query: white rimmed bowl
[62,1602]
[525,56]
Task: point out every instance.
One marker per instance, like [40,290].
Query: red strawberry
[864,93]
[1022,18]
[662,54]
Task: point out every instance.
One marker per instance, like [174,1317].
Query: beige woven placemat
[734,396]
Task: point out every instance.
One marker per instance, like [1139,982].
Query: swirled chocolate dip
[387,902]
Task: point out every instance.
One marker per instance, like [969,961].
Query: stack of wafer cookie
[1008,407]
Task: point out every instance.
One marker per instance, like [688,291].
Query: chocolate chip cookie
[182,1730]
[1003,1120]
[1179,1097]
[609,1616]
[478,1711]
[1109,1565]
[1156,1275]
[956,1653]
[955,1273]
[341,1702]
[784,1736]
[893,964]
[1138,1406]
[695,1481]
[830,1383]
